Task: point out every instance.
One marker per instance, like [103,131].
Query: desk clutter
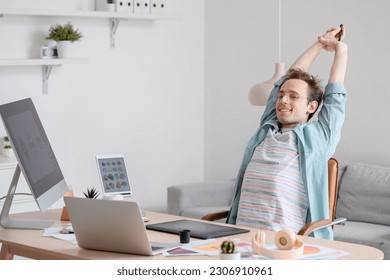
[118,226]
[224,247]
[51,244]
[244,250]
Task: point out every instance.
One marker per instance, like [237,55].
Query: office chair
[333,176]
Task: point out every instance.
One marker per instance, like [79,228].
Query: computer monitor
[36,160]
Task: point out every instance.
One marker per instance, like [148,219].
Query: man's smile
[285,110]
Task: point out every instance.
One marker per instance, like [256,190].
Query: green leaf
[91,193]
[65,32]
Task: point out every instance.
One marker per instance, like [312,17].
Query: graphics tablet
[198,229]
[113,175]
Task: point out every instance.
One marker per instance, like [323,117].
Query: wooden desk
[31,244]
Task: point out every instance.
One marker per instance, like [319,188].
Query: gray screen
[31,145]
[113,174]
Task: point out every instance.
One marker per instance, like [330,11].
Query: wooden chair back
[333,179]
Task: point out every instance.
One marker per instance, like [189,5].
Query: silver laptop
[111,225]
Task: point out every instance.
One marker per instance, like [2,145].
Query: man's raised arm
[332,42]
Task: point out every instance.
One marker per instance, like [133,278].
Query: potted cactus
[228,251]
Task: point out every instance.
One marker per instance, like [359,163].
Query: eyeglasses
[293,96]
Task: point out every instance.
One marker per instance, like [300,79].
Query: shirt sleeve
[332,114]
[270,109]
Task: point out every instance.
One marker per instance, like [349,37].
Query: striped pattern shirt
[273,195]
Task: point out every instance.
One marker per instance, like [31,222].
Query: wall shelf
[47,66]
[38,61]
[20,203]
[86,14]
[7,163]
[113,17]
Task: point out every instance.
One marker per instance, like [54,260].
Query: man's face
[292,105]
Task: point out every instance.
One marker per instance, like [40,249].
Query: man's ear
[312,106]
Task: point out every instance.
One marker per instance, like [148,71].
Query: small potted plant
[91,193]
[228,251]
[111,5]
[64,34]
[7,148]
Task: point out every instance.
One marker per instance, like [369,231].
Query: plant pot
[63,49]
[65,214]
[8,153]
[110,7]
[233,256]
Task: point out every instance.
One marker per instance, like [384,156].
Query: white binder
[159,6]
[124,6]
[142,6]
[101,5]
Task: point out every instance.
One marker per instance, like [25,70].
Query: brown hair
[315,88]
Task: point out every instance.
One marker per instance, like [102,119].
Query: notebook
[200,230]
[111,225]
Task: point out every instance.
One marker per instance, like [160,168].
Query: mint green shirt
[317,141]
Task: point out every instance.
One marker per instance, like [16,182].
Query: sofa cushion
[373,235]
[364,194]
[199,195]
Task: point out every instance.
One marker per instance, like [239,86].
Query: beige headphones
[289,245]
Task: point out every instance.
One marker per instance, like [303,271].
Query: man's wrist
[341,47]
[318,45]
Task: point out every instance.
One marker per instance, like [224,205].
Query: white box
[101,5]
[137,6]
[145,6]
[159,7]
[164,5]
[154,6]
[125,6]
[142,6]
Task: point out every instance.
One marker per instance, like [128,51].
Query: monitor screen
[33,151]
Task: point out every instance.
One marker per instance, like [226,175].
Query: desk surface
[31,244]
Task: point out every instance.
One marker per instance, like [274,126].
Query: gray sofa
[364,199]
[198,199]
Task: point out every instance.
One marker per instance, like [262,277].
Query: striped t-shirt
[273,195]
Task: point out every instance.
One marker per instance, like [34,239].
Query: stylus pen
[341,32]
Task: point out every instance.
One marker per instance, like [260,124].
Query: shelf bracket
[114,22]
[46,71]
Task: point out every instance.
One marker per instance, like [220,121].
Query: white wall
[143,99]
[242,47]
[236,56]
[172,96]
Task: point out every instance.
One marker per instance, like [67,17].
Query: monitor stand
[6,221]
